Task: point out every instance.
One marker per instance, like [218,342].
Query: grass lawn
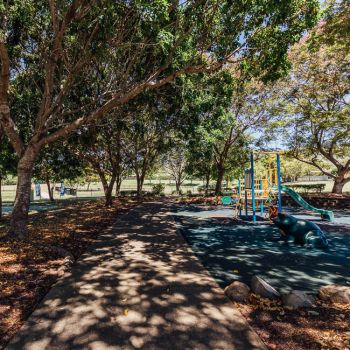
[95,189]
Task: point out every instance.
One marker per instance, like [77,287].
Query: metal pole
[253,185]
[261,200]
[239,197]
[279,183]
[245,196]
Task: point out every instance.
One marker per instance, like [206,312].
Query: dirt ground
[324,327]
[28,269]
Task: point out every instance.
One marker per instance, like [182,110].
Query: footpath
[139,286]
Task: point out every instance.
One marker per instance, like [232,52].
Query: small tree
[175,163]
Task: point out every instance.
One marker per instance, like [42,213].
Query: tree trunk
[0,198]
[50,190]
[338,185]
[107,187]
[140,180]
[207,182]
[118,184]
[19,216]
[108,196]
[221,173]
[178,186]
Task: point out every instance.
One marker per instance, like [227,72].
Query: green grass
[95,190]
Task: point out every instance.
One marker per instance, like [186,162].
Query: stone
[237,291]
[313,313]
[335,293]
[262,288]
[297,299]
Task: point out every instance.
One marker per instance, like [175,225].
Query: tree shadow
[138,287]
[236,251]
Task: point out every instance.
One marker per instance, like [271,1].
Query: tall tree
[50,50]
[147,140]
[101,147]
[314,99]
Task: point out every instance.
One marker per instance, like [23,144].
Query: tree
[314,100]
[200,159]
[239,107]
[146,141]
[102,148]
[7,162]
[50,50]
[56,164]
[175,163]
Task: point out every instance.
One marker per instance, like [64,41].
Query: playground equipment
[325,214]
[303,232]
[267,192]
[258,193]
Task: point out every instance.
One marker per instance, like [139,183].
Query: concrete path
[139,287]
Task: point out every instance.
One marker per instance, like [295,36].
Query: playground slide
[325,214]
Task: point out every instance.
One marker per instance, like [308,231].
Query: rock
[297,299]
[237,291]
[335,293]
[313,313]
[261,287]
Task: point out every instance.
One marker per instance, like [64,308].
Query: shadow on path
[139,287]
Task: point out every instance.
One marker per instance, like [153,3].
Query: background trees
[50,51]
[56,164]
[314,99]
[175,163]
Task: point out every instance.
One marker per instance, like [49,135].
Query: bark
[19,216]
[118,184]
[178,186]
[339,183]
[0,198]
[140,179]
[219,179]
[50,190]
[207,181]
[107,187]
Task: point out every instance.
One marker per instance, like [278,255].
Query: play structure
[302,232]
[258,194]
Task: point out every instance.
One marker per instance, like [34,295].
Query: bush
[158,189]
[200,189]
[10,180]
[189,193]
[306,188]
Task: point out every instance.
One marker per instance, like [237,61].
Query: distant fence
[313,178]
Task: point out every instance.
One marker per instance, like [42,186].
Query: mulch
[324,327]
[29,268]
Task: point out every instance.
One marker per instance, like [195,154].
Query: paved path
[139,287]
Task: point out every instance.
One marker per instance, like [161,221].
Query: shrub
[158,189]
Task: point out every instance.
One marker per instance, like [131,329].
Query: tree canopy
[314,99]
